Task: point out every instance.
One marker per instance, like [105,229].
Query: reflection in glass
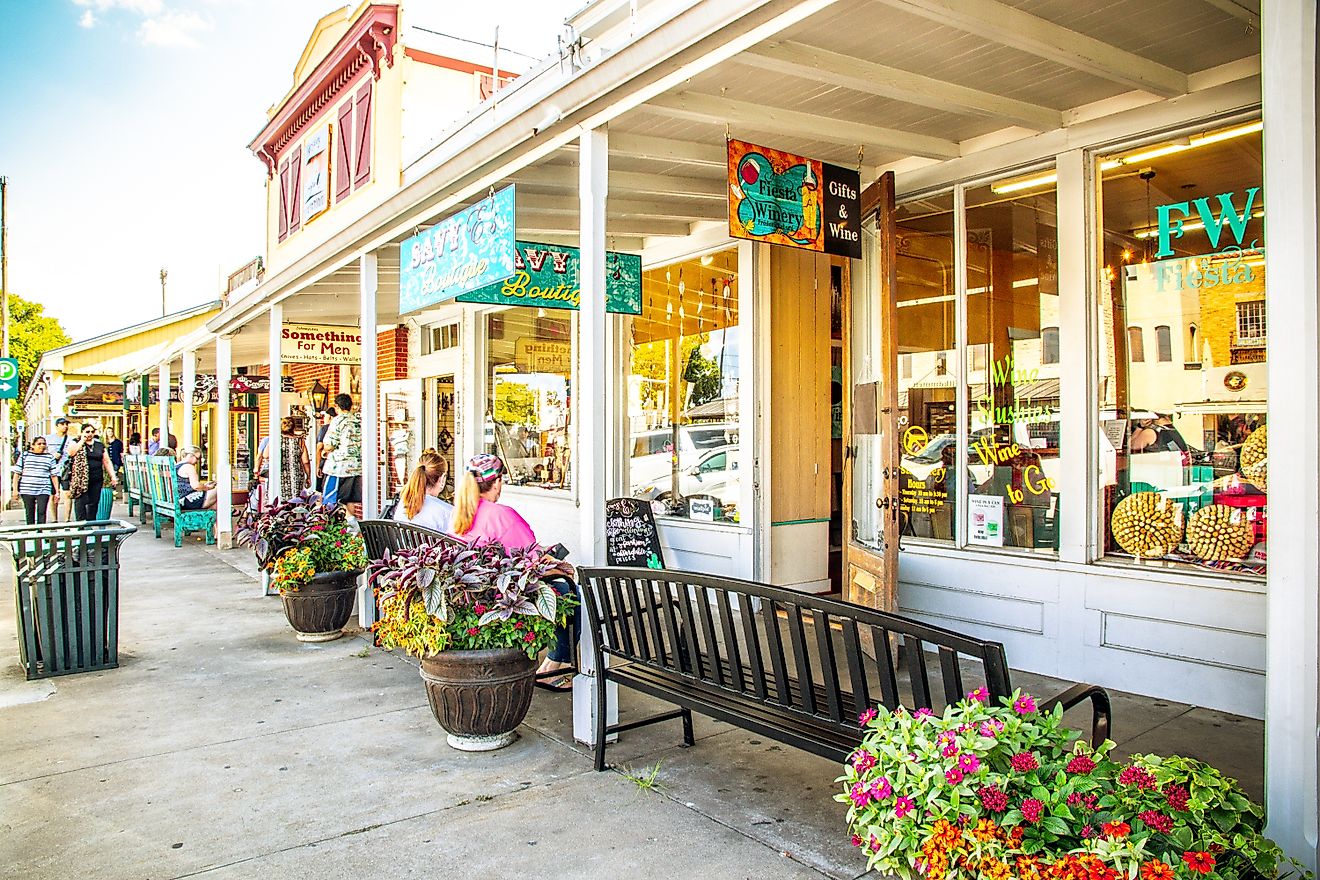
[529,356]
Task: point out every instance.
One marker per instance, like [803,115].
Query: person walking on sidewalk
[91,466]
[37,480]
[58,444]
[343,463]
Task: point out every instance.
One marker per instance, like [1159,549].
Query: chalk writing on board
[631,536]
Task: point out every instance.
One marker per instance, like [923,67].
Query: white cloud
[172,28]
[88,19]
[140,7]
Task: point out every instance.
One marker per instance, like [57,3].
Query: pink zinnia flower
[968,763]
[1080,765]
[1031,810]
[1024,705]
[867,717]
[862,760]
[980,695]
[988,730]
[1024,762]
[856,841]
[881,790]
[860,794]
[923,714]
[903,806]
[949,750]
[874,844]
[954,776]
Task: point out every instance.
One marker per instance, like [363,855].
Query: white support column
[1075,408]
[589,410]
[224,474]
[276,401]
[163,405]
[369,411]
[187,382]
[1292,280]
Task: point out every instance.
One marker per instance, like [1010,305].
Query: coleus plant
[435,598]
[286,524]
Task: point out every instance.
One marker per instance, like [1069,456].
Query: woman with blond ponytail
[421,504]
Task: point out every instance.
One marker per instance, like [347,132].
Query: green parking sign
[8,379]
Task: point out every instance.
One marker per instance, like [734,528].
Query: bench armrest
[1101,710]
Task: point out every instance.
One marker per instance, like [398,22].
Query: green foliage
[650,360]
[515,404]
[646,779]
[32,333]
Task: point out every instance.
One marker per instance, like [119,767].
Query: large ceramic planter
[318,611]
[479,697]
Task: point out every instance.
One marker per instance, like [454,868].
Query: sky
[124,127]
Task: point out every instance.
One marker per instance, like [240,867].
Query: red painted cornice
[368,42]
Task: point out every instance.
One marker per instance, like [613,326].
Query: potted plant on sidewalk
[477,618]
[314,559]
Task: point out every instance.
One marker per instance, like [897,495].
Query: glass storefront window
[927,396]
[683,418]
[529,367]
[1181,362]
[1012,377]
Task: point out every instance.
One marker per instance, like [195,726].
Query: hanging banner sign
[781,198]
[548,276]
[316,173]
[320,344]
[470,250]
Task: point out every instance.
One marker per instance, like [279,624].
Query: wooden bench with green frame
[165,504]
[137,489]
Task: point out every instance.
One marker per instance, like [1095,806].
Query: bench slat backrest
[385,534]
[805,654]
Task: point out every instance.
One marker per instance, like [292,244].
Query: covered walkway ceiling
[875,84]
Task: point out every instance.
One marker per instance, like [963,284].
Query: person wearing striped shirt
[37,476]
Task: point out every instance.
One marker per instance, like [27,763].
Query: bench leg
[602,718]
[155,517]
[178,534]
[688,739]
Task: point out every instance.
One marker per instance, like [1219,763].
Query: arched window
[1049,345]
[1163,344]
[1136,348]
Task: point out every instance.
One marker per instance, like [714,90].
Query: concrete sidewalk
[222,747]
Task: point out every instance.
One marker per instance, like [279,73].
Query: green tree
[704,374]
[32,333]
[649,361]
[515,404]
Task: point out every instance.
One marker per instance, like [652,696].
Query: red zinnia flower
[472,630]
[1031,810]
[1156,871]
[1024,762]
[1157,821]
[530,637]
[1080,764]
[479,608]
[1176,796]
[1200,862]
[1116,829]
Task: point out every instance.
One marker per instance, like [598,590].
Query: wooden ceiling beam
[796,123]
[1003,24]
[1239,10]
[531,224]
[566,177]
[668,209]
[661,149]
[859,75]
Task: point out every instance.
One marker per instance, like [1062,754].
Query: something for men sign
[782,198]
[320,344]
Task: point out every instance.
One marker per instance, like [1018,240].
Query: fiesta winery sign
[320,344]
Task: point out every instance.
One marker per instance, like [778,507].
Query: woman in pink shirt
[479,518]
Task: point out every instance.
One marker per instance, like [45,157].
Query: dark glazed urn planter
[318,611]
[479,697]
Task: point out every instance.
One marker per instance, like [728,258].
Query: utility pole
[163,276]
[6,442]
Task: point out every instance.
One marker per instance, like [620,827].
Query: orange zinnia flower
[1116,829]
[1156,871]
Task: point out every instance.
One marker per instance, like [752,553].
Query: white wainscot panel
[1236,651]
[552,517]
[706,548]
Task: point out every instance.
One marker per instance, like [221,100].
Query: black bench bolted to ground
[717,646]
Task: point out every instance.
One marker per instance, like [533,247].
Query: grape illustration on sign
[8,378]
[472,249]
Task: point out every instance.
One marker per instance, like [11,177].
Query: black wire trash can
[66,588]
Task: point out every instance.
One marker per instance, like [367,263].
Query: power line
[475,42]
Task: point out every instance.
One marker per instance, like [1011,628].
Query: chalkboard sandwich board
[631,536]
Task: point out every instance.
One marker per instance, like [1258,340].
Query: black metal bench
[386,534]
[718,646]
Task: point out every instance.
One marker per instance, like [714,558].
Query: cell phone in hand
[558,551]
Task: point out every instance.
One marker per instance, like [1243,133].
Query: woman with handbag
[90,466]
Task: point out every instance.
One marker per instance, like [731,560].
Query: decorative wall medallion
[1235,380]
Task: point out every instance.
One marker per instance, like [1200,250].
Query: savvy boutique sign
[782,198]
[549,276]
[470,250]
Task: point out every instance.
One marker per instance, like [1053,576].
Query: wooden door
[870,412]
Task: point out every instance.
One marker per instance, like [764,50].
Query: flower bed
[1007,792]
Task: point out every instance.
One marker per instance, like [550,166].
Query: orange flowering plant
[991,793]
